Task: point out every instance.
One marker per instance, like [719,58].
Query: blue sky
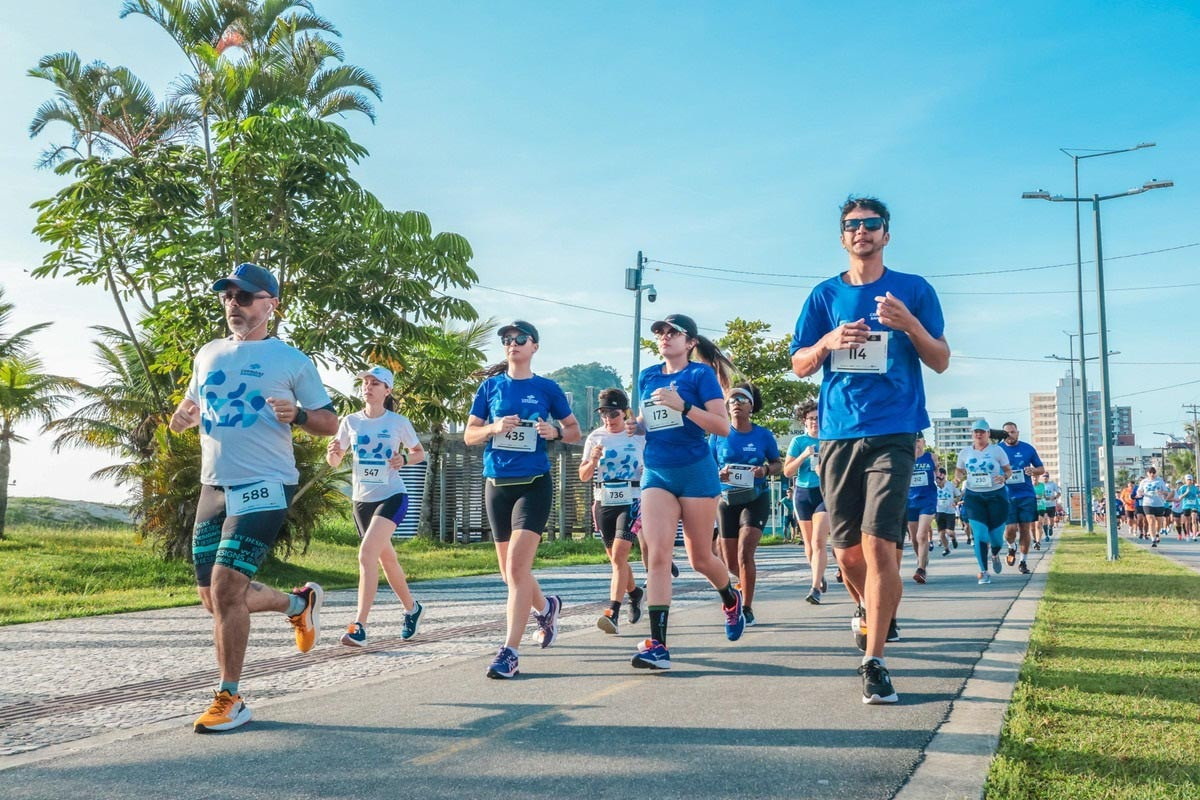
[560,139]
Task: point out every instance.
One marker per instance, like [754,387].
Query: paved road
[106,711]
[1185,552]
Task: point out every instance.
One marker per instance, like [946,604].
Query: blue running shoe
[355,635]
[735,620]
[412,620]
[652,655]
[504,665]
[548,622]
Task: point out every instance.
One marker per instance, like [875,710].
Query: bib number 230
[261,496]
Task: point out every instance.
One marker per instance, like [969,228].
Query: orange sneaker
[308,622]
[227,711]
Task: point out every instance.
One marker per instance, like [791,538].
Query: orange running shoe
[308,622]
[227,711]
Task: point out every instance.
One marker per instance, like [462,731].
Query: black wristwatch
[301,417]
[558,427]
[686,408]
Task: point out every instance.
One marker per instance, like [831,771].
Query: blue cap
[981,425]
[251,278]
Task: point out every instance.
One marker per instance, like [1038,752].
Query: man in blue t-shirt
[1022,502]
[868,330]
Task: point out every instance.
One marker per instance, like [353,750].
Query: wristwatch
[558,427]
[301,417]
[686,408]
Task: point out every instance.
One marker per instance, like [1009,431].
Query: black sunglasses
[609,413]
[242,297]
[520,339]
[870,223]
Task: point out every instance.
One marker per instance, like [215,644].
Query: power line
[1158,389]
[997,271]
[745,282]
[606,311]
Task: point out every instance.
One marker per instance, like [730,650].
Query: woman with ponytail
[514,414]
[382,441]
[681,401]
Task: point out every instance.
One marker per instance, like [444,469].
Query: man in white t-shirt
[245,394]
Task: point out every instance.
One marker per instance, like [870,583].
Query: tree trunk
[5,459]
[425,521]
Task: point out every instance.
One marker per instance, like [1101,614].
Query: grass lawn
[52,572]
[1108,703]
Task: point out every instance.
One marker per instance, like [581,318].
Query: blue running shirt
[679,446]
[854,405]
[922,489]
[1020,456]
[535,398]
[756,447]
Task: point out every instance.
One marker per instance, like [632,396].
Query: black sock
[636,594]
[728,598]
[615,605]
[658,623]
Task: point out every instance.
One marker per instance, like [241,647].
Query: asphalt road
[776,714]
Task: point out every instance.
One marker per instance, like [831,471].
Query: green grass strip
[1108,702]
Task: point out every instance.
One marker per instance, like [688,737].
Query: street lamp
[1078,463]
[633,282]
[1076,155]
[1105,392]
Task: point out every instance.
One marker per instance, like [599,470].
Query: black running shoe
[858,624]
[1023,568]
[837,576]
[635,606]
[877,684]
[824,585]
[674,570]
[893,632]
[1011,558]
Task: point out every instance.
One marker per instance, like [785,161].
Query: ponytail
[499,368]
[707,352]
[389,402]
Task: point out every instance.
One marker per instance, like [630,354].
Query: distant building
[952,433]
[1055,432]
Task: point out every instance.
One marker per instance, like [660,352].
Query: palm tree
[26,394]
[435,382]
[15,345]
[78,98]
[120,413]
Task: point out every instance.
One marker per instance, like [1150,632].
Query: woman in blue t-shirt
[802,460]
[744,459]
[512,417]
[681,401]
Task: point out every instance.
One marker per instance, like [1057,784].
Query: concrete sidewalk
[106,710]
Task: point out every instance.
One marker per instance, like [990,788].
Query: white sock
[882,663]
[1022,558]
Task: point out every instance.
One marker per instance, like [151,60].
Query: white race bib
[740,474]
[1018,476]
[869,357]
[616,493]
[522,438]
[979,480]
[371,472]
[261,496]
[657,417]
[920,478]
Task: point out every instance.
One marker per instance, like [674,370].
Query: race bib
[979,480]
[814,461]
[261,496]
[919,478]
[1018,476]
[868,357]
[522,438]
[616,493]
[740,475]
[658,418]
[371,473]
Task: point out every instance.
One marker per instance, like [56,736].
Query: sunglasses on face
[241,297]
[520,339]
[738,400]
[870,223]
[667,334]
[609,413]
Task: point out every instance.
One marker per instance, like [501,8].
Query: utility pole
[1195,409]
[633,282]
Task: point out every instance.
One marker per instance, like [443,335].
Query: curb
[955,763]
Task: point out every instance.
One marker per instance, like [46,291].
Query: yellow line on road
[525,722]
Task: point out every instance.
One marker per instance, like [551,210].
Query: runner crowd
[683,454]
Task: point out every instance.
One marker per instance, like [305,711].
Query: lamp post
[1076,155]
[1079,459]
[1102,328]
[633,282]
